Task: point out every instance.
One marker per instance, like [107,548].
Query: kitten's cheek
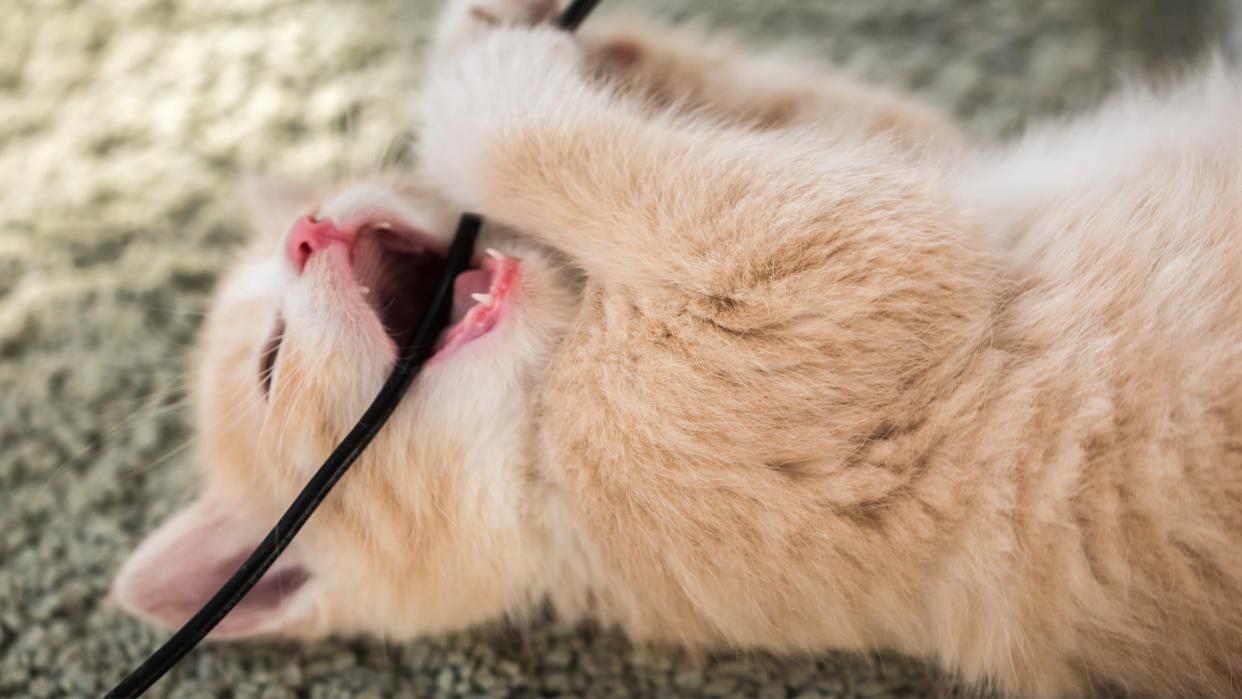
[316,399]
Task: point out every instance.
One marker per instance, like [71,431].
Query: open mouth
[398,271]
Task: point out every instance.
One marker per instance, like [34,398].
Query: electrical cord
[433,322]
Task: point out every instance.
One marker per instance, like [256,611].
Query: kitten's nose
[310,235]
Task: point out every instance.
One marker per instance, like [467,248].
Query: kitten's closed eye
[267,361]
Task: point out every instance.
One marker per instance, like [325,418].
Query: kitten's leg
[463,22]
[683,68]
[515,131]
[762,241]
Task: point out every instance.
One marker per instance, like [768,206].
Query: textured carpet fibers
[124,125]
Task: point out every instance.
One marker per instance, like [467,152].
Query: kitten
[765,359]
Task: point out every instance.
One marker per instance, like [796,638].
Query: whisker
[234,415]
[305,380]
[170,310]
[95,444]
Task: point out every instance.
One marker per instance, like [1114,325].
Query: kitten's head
[431,528]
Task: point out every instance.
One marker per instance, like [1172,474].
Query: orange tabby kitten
[761,358]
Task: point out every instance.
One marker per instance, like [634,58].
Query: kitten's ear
[272,204]
[186,560]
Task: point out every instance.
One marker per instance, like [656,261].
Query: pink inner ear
[186,560]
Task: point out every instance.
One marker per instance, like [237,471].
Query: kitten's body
[824,378]
[1116,427]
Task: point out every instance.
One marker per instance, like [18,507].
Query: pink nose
[308,236]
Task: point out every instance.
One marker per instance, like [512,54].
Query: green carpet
[124,125]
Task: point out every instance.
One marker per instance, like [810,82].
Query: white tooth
[365,291]
[494,254]
[485,299]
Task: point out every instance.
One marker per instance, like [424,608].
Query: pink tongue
[472,281]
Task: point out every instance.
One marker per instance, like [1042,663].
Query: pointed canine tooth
[494,254]
[484,299]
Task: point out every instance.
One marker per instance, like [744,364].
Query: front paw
[466,21]
[509,78]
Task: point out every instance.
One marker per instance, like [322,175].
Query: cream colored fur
[790,367]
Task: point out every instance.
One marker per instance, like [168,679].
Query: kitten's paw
[510,78]
[529,13]
[466,21]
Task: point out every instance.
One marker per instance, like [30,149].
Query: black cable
[416,354]
[575,13]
